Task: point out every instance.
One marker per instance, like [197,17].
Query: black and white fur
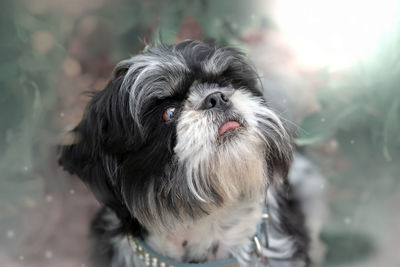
[191,194]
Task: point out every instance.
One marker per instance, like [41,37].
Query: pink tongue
[228,126]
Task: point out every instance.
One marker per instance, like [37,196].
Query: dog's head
[179,131]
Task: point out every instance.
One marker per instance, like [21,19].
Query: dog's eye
[169,113]
[230,86]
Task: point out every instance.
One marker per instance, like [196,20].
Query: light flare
[335,33]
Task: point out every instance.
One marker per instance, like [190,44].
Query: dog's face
[179,131]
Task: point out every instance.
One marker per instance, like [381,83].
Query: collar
[154,259]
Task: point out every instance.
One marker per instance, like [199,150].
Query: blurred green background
[348,112]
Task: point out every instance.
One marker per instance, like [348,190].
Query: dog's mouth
[228,127]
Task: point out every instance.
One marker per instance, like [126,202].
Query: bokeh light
[335,33]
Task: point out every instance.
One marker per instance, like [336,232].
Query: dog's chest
[218,236]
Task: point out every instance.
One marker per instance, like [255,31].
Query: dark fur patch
[214,248]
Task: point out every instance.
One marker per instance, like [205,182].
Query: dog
[189,163]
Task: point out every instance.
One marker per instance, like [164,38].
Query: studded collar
[154,259]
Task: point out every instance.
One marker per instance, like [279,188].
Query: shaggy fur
[191,193]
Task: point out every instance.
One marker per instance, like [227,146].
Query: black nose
[216,100]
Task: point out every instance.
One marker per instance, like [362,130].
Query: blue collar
[154,259]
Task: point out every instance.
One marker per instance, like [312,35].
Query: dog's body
[183,153]
[288,242]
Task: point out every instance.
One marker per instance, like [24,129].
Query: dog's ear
[279,164]
[103,134]
[279,155]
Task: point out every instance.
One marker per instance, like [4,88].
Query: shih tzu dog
[189,163]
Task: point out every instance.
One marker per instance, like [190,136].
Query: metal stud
[257,246]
